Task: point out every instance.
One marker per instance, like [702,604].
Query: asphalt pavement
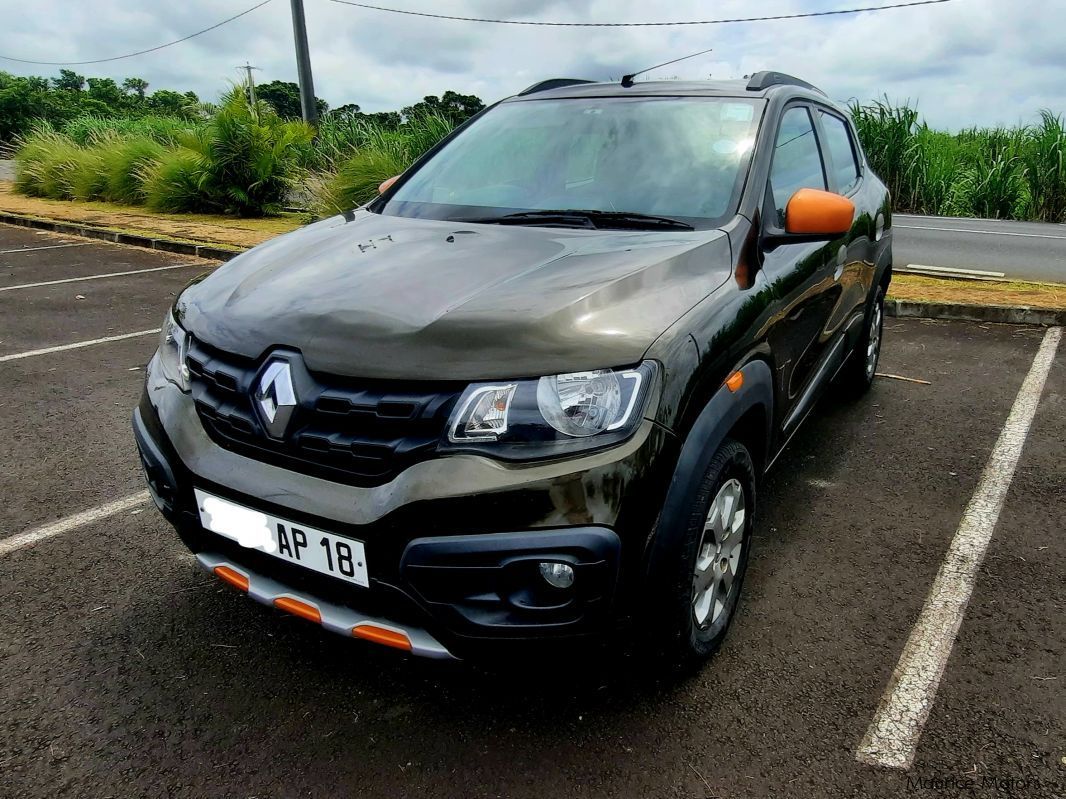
[1021,250]
[126,671]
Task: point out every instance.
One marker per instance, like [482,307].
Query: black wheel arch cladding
[713,425]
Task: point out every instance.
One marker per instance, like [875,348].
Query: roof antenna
[627,80]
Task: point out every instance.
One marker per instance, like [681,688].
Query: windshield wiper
[588,218]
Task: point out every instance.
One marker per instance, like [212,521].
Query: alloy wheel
[873,345]
[718,556]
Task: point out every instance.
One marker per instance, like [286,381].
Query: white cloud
[967,62]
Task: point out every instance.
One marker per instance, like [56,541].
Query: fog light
[557,575]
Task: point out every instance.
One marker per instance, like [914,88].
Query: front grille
[362,432]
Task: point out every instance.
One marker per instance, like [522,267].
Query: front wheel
[713,557]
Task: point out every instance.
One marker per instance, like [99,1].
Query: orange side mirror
[387,184]
[816,212]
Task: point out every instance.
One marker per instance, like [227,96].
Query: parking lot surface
[126,671]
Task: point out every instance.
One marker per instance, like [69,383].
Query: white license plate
[291,541]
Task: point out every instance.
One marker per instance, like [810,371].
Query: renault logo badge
[275,398]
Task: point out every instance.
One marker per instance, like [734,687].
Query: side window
[841,151]
[797,161]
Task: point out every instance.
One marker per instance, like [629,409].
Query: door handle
[842,258]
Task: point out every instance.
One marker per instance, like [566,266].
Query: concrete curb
[1004,314]
[210,251]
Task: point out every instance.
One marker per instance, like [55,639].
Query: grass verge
[917,288]
[203,228]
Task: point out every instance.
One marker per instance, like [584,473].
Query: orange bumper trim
[231,576]
[379,635]
[297,608]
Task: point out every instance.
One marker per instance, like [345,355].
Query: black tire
[857,375]
[688,642]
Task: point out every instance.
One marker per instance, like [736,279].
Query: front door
[802,275]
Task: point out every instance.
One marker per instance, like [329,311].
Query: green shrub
[998,173]
[240,162]
[356,181]
[379,153]
[125,162]
[171,183]
[1045,166]
[890,132]
[88,180]
[44,163]
[89,129]
[933,162]
[993,188]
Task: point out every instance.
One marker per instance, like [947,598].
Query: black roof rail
[552,83]
[766,79]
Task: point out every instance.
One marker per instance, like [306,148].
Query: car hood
[390,297]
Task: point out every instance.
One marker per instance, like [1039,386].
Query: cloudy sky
[966,62]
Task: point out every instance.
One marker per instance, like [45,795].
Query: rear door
[802,274]
[854,270]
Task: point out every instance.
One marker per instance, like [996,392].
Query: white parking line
[892,737]
[76,345]
[95,277]
[49,247]
[949,270]
[38,534]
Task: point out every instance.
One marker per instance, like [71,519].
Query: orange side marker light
[379,635]
[231,576]
[298,608]
[734,381]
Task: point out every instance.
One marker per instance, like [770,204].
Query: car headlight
[173,347]
[551,415]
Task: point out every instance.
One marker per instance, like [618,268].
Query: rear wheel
[858,373]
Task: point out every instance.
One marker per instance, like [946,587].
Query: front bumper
[452,544]
[335,618]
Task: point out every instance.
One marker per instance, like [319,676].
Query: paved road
[126,672]
[1023,250]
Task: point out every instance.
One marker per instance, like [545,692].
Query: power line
[139,52]
[642,24]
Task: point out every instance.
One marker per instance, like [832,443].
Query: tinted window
[797,162]
[838,141]
[676,157]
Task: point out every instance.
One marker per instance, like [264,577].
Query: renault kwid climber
[525,396]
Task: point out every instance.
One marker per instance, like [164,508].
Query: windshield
[681,158]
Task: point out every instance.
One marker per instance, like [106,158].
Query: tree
[345,110]
[106,91]
[69,80]
[136,85]
[168,103]
[26,101]
[454,106]
[390,120]
[284,97]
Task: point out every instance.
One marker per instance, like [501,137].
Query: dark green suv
[526,395]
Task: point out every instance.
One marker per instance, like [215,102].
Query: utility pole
[251,83]
[303,64]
